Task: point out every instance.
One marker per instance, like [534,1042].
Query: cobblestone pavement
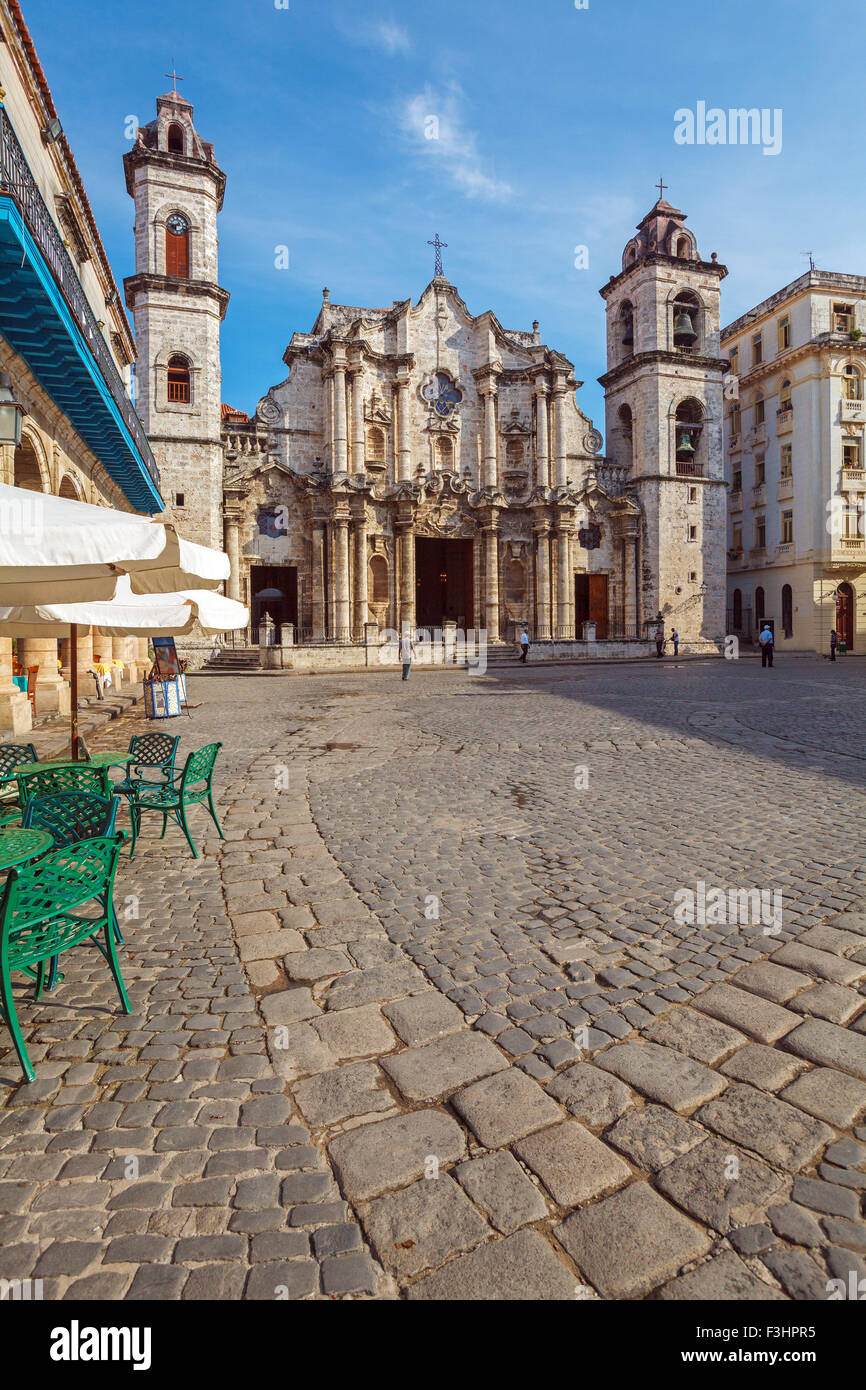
[435,1021]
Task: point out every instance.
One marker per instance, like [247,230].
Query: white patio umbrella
[126,615]
[54,548]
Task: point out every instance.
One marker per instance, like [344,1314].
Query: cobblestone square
[549,983]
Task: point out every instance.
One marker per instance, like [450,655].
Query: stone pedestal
[15,715]
[449,641]
[287,634]
[52,691]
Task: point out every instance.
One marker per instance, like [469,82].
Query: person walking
[524,646]
[660,642]
[407,651]
[834,642]
[675,638]
[766,641]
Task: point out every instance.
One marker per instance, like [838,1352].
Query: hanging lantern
[684,329]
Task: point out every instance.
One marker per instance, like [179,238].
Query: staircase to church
[230,661]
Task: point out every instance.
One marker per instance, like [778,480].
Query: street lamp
[11,413]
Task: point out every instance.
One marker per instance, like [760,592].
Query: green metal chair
[70,777]
[72,816]
[12,755]
[153,753]
[49,907]
[194,786]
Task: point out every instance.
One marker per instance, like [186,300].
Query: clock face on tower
[177,224]
[440,392]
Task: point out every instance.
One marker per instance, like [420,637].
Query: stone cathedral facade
[422,464]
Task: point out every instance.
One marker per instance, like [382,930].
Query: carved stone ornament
[269,411]
[589,537]
[592,441]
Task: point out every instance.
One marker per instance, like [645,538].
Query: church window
[379,577]
[626,315]
[176,142]
[626,429]
[784,333]
[787,610]
[759,410]
[852,384]
[688,430]
[684,247]
[178,380]
[177,246]
[445,453]
[785,399]
[179,499]
[757,349]
[686,311]
[693,533]
[787,528]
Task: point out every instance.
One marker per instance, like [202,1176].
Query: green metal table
[20,846]
[95,760]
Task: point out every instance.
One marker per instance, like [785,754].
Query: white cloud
[434,124]
[385,35]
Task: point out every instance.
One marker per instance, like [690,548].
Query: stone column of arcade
[14,705]
[542,582]
[341,580]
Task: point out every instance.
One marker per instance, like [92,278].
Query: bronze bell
[685,445]
[684,329]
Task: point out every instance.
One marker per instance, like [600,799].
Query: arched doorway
[28,474]
[845,614]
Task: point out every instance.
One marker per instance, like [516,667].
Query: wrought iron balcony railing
[17,180]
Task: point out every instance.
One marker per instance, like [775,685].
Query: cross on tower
[661,188]
[439,245]
[175,78]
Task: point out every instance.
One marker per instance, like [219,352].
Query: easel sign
[165,658]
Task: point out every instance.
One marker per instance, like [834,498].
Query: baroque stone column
[564,584]
[489,392]
[542,580]
[318,582]
[561,439]
[404,456]
[491,580]
[628,531]
[406,539]
[52,692]
[232,522]
[358,436]
[341,441]
[542,435]
[343,632]
[360,604]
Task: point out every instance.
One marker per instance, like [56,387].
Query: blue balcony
[46,318]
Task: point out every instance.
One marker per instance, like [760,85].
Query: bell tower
[663,409]
[178,306]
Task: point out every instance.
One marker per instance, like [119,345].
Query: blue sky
[554,125]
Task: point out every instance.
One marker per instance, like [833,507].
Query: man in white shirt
[407,651]
[524,646]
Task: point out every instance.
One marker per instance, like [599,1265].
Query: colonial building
[66,345]
[795,463]
[423,464]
